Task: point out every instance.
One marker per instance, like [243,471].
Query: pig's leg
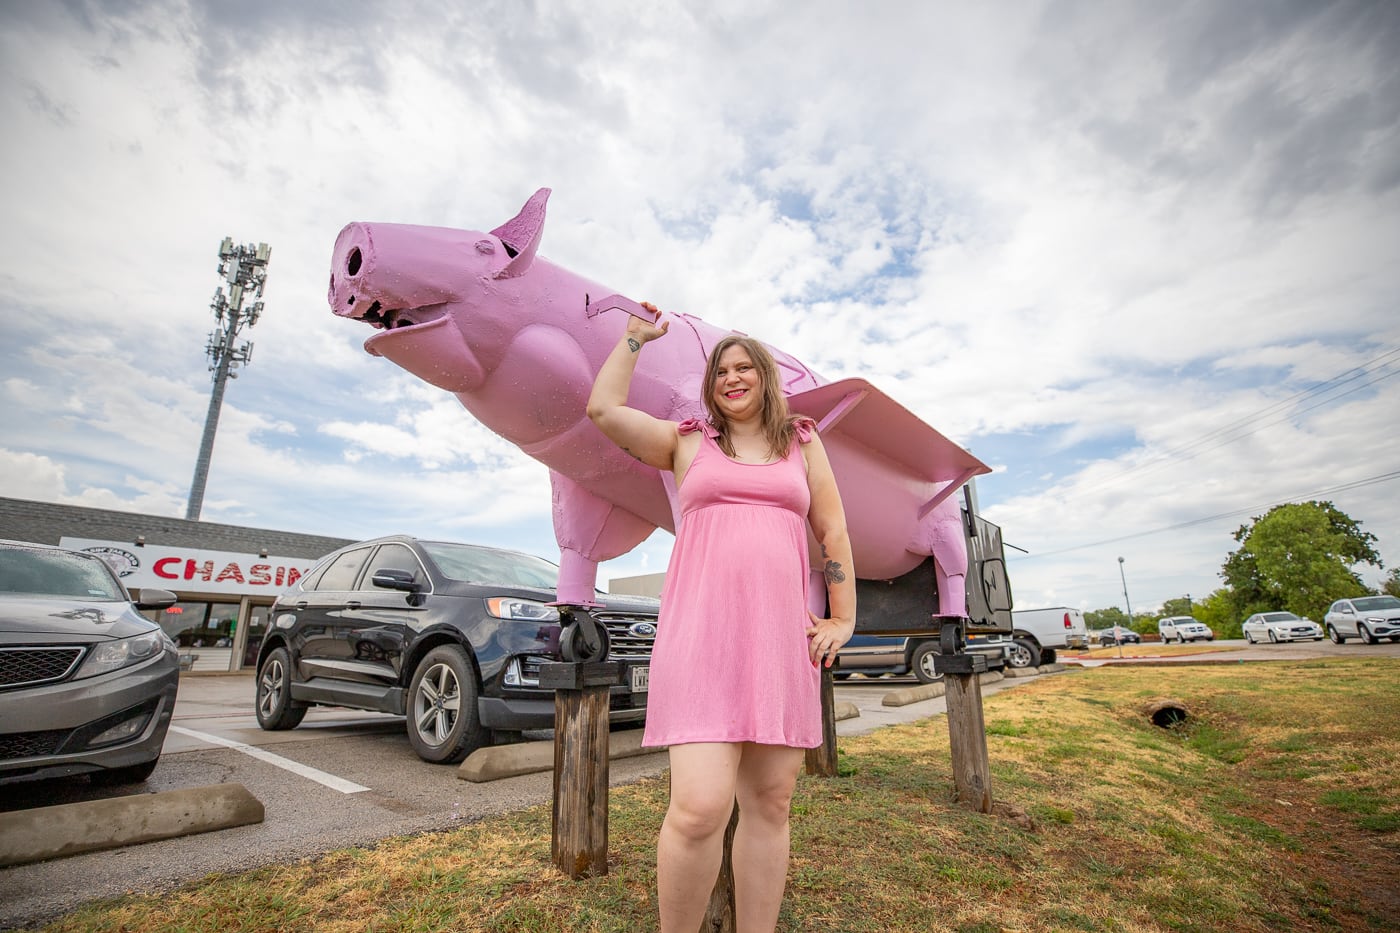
[941,534]
[589,530]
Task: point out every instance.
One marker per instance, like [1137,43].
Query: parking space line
[286,764]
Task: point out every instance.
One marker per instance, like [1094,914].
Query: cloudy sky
[1140,257]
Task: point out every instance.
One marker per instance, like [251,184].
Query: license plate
[640,677]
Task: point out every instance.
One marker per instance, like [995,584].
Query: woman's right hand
[644,331]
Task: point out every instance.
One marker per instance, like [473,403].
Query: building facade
[225,576]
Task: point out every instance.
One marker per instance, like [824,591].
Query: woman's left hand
[826,636]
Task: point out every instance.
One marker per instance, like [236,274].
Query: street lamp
[1122,576]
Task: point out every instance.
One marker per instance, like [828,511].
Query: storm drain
[1167,712]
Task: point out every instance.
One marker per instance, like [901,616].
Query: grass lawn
[1272,807]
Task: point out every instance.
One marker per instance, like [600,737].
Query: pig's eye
[352,262]
[486,247]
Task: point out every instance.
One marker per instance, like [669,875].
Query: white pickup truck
[1037,634]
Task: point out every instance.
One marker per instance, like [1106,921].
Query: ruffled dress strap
[804,427]
[691,425]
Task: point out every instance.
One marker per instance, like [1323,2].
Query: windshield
[36,572]
[471,564]
[1280,617]
[1372,603]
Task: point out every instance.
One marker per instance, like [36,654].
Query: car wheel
[443,725]
[1365,634]
[274,707]
[1024,653]
[131,774]
[1248,638]
[1273,639]
[922,663]
[1048,655]
[842,675]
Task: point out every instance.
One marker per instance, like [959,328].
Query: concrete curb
[502,761]
[846,710]
[907,695]
[1033,671]
[71,828]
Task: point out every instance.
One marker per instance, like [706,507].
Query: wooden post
[719,916]
[967,738]
[579,846]
[821,761]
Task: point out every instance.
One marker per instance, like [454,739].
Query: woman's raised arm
[650,440]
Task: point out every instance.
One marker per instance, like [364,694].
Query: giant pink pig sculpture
[519,340]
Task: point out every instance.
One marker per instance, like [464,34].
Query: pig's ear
[521,235]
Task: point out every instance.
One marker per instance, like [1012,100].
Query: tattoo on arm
[833,571]
[633,344]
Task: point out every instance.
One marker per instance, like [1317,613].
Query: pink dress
[730,662]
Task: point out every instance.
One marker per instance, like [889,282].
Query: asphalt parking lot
[346,777]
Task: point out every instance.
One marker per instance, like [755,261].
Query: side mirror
[396,580]
[151,598]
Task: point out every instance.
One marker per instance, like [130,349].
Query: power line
[1233,431]
[1331,490]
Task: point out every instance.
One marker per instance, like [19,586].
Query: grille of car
[623,643]
[20,667]
[31,744]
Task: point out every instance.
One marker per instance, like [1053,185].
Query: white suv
[1183,629]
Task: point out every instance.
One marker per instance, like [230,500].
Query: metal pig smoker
[518,340]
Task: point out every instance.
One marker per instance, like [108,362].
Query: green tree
[1181,606]
[1218,611]
[1105,618]
[1391,586]
[1298,557]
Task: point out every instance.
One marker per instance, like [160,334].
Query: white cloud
[1076,239]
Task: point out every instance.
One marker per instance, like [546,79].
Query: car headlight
[124,652]
[521,610]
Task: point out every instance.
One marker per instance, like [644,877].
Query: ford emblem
[642,629]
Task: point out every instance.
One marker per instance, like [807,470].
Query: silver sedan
[1369,618]
[1280,626]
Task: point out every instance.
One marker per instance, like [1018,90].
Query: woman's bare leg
[691,846]
[766,778]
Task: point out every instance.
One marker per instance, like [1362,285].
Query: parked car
[451,636]
[1039,634]
[904,654]
[1280,626]
[1182,629]
[1118,635]
[87,684]
[1369,618]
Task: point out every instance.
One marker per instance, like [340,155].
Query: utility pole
[244,268]
[1124,578]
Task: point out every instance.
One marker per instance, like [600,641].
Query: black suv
[451,636]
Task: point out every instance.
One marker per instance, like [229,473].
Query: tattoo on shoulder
[833,571]
[633,344]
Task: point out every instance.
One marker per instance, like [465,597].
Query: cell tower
[244,268]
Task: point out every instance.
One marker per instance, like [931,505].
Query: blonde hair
[775,421]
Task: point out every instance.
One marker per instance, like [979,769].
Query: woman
[735,677]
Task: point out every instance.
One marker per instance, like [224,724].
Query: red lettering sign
[232,572]
[161,568]
[205,570]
